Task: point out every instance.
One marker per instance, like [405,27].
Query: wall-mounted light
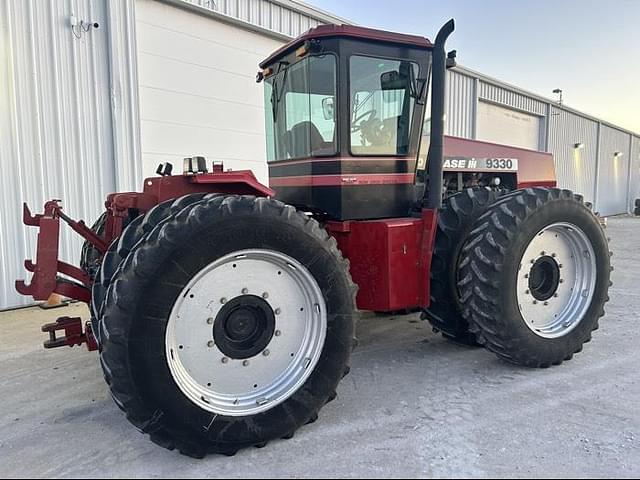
[578,146]
[617,154]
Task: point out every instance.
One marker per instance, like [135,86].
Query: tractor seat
[304,140]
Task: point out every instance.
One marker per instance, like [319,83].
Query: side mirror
[393,81]
[328,109]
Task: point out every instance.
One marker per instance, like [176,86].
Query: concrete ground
[413,406]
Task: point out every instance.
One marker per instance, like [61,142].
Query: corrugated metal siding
[55,124]
[460,105]
[504,96]
[612,176]
[124,94]
[634,177]
[189,66]
[575,168]
[263,13]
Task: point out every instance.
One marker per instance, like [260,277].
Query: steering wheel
[356,125]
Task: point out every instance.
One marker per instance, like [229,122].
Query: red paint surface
[340,180]
[242,182]
[348,31]
[534,168]
[359,159]
[73,334]
[45,269]
[390,259]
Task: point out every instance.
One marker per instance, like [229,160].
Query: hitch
[73,334]
[45,280]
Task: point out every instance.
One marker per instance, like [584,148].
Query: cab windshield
[383,93]
[299,109]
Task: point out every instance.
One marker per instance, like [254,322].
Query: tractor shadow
[405,348]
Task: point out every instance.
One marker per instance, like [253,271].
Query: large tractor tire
[534,276]
[228,325]
[455,220]
[133,232]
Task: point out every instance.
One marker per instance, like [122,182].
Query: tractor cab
[344,109]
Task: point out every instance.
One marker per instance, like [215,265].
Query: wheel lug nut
[535,302]
[527,292]
[555,295]
[266,353]
[543,253]
[561,281]
[546,303]
[277,311]
[223,300]
[225,360]
[553,255]
[210,344]
[265,295]
[210,321]
[245,291]
[245,363]
[277,333]
[533,261]
[559,265]
[526,275]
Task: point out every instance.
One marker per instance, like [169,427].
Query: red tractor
[224,310]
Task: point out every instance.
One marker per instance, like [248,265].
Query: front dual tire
[228,325]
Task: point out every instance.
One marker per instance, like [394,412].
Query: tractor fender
[241,182]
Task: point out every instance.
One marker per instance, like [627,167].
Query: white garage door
[198,94]
[503,125]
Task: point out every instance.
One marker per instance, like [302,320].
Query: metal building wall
[575,167]
[634,173]
[611,186]
[123,89]
[461,105]
[69,107]
[612,174]
[286,17]
[505,96]
[55,123]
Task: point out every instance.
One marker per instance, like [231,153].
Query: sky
[590,49]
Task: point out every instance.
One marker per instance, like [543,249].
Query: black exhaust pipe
[435,158]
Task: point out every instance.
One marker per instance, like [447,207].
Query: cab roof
[349,31]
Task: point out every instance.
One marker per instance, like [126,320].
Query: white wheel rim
[239,387]
[552,306]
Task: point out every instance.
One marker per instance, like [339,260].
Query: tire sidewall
[214,240]
[555,211]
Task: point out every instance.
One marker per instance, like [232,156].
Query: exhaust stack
[435,158]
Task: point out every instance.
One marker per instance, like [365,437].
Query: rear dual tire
[534,276]
[456,219]
[149,313]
